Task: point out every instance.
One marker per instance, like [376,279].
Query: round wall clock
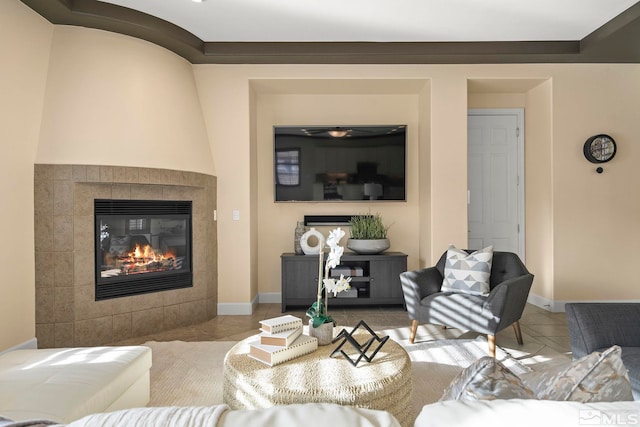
[599,148]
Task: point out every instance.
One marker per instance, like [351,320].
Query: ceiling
[368,31]
[383,20]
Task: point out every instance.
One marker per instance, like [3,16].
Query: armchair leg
[516,328]
[492,345]
[414,329]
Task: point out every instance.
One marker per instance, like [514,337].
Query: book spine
[260,355]
[310,344]
[280,327]
[303,345]
[285,340]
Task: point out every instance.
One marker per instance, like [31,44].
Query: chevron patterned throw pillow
[467,273]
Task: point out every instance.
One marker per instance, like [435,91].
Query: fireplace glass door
[142,246]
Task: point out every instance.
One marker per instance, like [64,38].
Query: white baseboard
[247,308]
[558,306]
[544,303]
[27,345]
[270,298]
[237,308]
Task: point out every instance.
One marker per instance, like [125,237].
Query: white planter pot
[374,246]
[324,332]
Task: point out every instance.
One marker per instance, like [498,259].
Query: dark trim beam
[616,41]
[118,19]
[384,53]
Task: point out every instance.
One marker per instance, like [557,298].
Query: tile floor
[545,334]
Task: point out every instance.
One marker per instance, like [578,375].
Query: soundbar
[327,219]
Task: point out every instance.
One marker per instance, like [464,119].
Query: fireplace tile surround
[66,311]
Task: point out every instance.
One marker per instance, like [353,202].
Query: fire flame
[146,255]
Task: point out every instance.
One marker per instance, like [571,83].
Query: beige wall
[225,97]
[424,188]
[116,100]
[596,217]
[25,40]
[564,105]
[539,190]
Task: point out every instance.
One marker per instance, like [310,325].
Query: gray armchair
[510,282]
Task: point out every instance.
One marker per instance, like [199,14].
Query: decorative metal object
[361,349]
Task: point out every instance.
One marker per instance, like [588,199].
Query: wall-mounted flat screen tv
[340,163]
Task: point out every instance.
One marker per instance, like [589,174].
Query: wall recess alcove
[338,102]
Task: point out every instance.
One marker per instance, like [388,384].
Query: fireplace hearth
[141,246]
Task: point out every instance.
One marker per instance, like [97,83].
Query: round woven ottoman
[384,384]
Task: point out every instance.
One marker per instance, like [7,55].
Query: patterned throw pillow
[596,377]
[487,379]
[467,273]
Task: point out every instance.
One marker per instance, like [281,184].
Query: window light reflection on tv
[340,163]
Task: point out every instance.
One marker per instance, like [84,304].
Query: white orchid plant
[318,310]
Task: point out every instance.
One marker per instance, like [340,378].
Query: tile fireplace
[89,262]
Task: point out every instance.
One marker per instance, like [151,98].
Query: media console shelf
[375,279]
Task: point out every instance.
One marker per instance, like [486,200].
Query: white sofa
[307,415]
[527,413]
[459,413]
[65,384]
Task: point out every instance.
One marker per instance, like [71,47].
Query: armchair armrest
[594,326]
[423,282]
[508,299]
[418,284]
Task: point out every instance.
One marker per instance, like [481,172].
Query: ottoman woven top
[384,384]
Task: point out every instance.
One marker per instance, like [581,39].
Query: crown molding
[615,41]
[386,53]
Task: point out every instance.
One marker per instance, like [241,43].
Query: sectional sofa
[596,326]
[65,384]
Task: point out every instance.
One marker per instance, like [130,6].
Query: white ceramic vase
[324,332]
[304,244]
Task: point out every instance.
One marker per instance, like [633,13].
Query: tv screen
[340,163]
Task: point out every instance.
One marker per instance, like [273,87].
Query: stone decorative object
[312,250]
[299,232]
[324,332]
[361,349]
[368,246]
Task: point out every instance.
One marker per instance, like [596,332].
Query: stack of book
[280,340]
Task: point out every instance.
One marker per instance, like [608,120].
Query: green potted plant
[368,234]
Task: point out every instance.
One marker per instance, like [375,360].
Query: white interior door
[495,180]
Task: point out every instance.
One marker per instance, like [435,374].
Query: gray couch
[597,326]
